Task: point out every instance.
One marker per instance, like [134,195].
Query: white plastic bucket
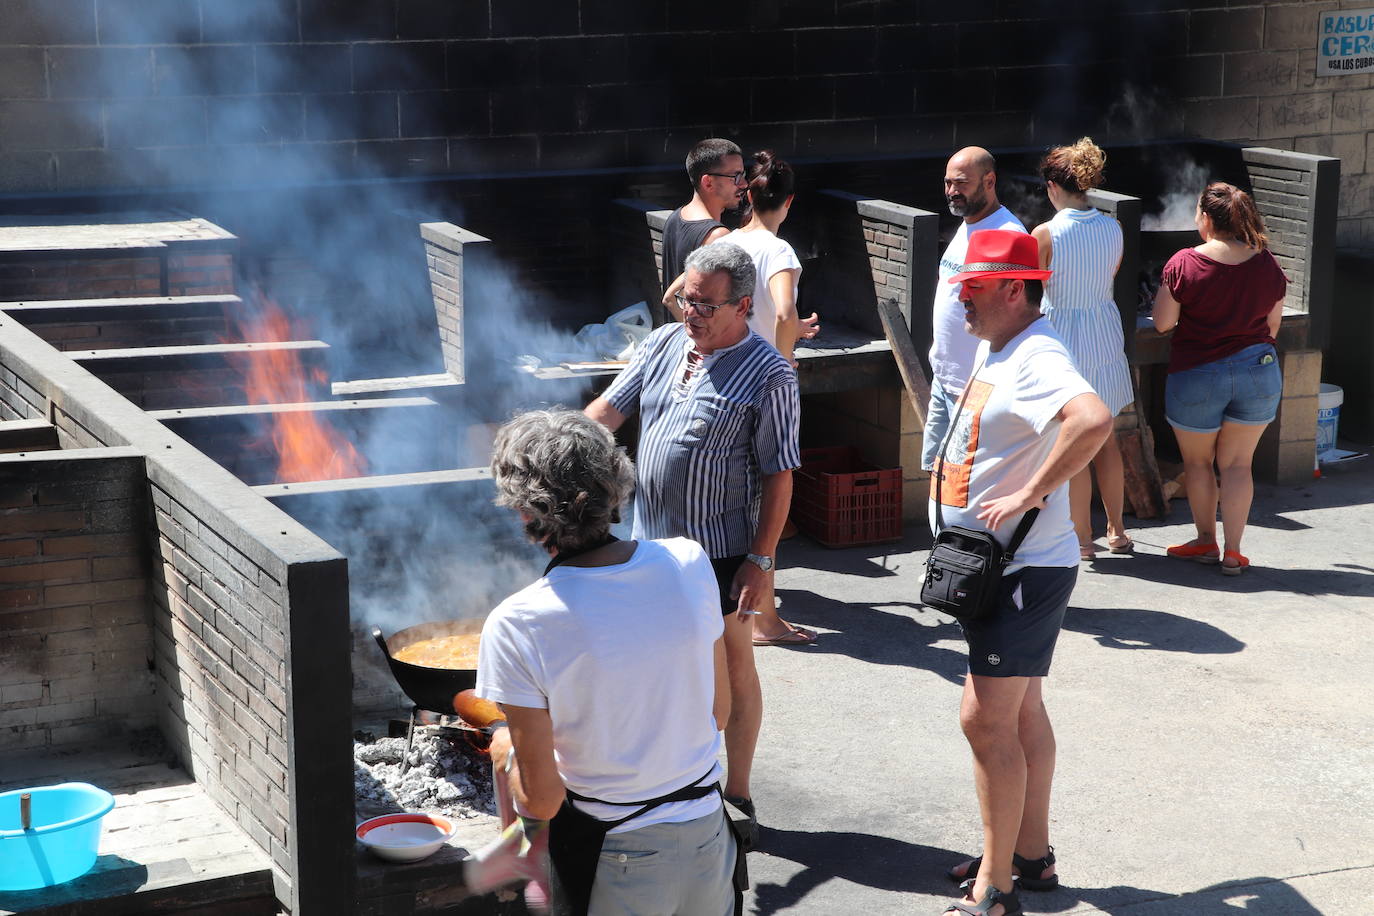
[1329,400]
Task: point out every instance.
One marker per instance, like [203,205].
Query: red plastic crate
[841,500]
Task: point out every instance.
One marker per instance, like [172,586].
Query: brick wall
[75,645]
[104,93]
[250,625]
[121,323]
[27,276]
[445,248]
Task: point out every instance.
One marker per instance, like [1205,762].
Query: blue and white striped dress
[1085,250]
[704,447]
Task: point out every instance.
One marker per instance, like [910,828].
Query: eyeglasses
[705,308]
[736,177]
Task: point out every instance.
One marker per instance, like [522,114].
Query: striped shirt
[706,443]
[1085,250]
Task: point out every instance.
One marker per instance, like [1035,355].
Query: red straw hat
[1001,253]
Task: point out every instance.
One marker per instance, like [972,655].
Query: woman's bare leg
[1199,456]
[1111,487]
[1235,449]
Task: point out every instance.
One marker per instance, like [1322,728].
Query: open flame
[307,447]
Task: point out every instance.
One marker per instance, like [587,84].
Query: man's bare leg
[1038,746]
[990,716]
[746,705]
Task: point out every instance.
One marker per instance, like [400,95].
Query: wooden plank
[1143,485]
[904,352]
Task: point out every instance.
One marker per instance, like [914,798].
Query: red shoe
[1242,564]
[1195,551]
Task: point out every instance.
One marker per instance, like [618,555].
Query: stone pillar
[1287,451]
[446,248]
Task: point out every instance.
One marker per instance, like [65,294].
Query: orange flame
[307,447]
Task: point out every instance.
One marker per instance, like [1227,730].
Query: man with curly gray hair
[610,670]
[719,411]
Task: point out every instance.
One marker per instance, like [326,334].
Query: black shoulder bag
[964,569]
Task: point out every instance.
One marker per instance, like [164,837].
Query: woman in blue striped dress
[1082,245]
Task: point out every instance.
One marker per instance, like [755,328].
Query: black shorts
[725,568]
[1017,639]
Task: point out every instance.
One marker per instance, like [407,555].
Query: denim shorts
[1244,387]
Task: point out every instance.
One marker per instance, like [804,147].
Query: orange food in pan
[442,652]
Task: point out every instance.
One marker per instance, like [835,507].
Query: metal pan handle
[381,641]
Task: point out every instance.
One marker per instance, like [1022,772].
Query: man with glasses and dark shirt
[716,170]
[719,411]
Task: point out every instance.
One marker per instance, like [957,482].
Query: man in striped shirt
[719,411]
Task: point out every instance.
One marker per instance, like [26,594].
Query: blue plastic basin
[62,840]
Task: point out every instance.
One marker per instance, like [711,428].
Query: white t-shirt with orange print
[1004,434]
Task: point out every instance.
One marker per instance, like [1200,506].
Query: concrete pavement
[1216,734]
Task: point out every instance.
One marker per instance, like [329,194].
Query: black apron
[576,838]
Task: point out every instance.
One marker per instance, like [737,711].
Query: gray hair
[564,472]
[732,259]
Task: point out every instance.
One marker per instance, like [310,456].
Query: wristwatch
[762,562]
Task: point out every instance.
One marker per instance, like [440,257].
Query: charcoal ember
[445,776]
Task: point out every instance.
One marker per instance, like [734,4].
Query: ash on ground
[447,776]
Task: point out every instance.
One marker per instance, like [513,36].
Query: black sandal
[1030,871]
[1011,903]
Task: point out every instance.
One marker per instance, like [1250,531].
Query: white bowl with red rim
[405,837]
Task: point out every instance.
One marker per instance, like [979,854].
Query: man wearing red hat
[1026,423]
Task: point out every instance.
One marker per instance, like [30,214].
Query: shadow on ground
[1136,628]
[898,866]
[885,633]
[872,861]
[1345,579]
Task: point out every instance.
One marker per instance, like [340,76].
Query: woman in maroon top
[1223,300]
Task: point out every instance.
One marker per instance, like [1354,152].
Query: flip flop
[793,637]
[1128,547]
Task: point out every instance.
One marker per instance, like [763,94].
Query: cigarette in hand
[751,612]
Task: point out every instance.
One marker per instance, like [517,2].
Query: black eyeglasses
[705,308]
[736,177]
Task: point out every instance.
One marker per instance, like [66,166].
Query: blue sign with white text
[1345,42]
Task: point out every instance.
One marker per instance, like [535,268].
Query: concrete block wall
[100,93]
[75,642]
[249,629]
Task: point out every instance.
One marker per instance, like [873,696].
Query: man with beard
[716,170]
[971,193]
[719,410]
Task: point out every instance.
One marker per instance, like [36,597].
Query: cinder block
[1260,73]
[1297,420]
[1222,118]
[1290,115]
[61,713]
[1225,30]
[1292,26]
[1302,372]
[1352,110]
[14,694]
